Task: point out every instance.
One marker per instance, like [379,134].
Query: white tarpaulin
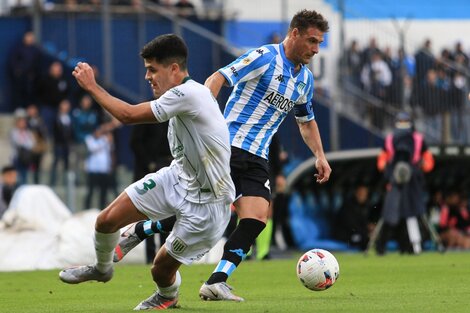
[39,232]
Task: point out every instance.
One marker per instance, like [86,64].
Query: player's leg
[198,229]
[250,175]
[140,231]
[252,212]
[263,241]
[168,279]
[119,213]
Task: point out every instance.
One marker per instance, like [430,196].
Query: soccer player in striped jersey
[268,82]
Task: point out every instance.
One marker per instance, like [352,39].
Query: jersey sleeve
[248,66]
[172,103]
[303,109]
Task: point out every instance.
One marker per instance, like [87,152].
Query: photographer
[404,160]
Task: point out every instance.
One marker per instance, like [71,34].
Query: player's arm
[311,136]
[215,83]
[244,68]
[121,110]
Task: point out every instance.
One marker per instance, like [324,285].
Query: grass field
[429,282]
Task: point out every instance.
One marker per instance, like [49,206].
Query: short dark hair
[8,168]
[306,18]
[166,49]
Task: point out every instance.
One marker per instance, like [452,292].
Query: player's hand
[324,171]
[84,75]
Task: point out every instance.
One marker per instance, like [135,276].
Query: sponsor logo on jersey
[280,78]
[177,151]
[279,101]
[157,108]
[178,245]
[177,92]
[234,71]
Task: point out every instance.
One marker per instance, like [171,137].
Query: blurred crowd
[183,8]
[53,116]
[432,85]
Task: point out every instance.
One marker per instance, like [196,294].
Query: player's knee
[105,223]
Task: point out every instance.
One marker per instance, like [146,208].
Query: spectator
[458,51]
[185,8]
[98,165]
[53,88]
[424,61]
[281,230]
[8,185]
[454,222]
[369,51]
[84,121]
[354,63]
[353,222]
[63,139]
[23,67]
[38,127]
[376,76]
[22,141]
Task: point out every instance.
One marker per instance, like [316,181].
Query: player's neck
[288,48]
[181,78]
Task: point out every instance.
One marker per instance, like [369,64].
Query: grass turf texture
[429,282]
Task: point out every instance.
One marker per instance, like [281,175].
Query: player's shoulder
[267,52]
[189,88]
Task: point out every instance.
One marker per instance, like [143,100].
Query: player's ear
[175,67]
[295,32]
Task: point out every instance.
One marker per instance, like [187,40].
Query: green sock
[263,241]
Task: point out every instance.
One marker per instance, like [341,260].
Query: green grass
[429,282]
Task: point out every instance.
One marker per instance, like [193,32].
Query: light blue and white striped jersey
[266,89]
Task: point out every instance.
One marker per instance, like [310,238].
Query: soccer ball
[317,269]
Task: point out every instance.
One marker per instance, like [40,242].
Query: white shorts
[198,227]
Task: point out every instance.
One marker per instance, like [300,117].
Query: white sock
[104,248]
[171,292]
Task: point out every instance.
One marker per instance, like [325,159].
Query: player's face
[159,76]
[306,44]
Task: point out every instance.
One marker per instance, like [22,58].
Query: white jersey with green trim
[199,142]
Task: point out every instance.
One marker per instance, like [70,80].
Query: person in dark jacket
[404,160]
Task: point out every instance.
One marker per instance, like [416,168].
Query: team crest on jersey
[178,245]
[246,61]
[300,87]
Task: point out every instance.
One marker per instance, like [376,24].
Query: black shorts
[250,174]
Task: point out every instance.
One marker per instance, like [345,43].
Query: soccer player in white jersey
[196,187]
[268,82]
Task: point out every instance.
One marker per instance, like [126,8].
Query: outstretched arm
[311,136]
[121,110]
[215,83]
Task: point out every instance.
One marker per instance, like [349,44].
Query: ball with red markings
[317,269]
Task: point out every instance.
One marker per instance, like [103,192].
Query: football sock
[164,226]
[263,241]
[236,248]
[104,248]
[171,291]
[145,229]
